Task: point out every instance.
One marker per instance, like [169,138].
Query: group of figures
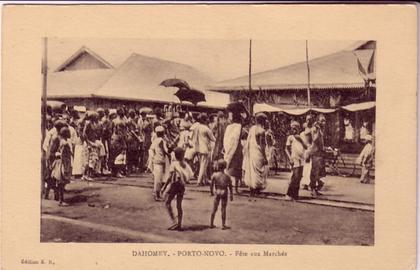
[224,150]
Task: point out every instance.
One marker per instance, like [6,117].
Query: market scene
[137,148]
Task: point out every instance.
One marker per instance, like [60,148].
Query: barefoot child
[222,182]
[180,173]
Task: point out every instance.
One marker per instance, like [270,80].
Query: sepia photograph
[218,141]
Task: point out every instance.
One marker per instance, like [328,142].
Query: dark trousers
[293,190]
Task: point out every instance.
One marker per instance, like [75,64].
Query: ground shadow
[195,228]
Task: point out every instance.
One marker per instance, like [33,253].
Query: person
[365,159]
[233,150]
[255,161]
[160,154]
[52,148]
[218,134]
[90,147]
[180,173]
[133,143]
[295,148]
[61,167]
[222,183]
[316,153]
[364,131]
[204,139]
[145,131]
[118,146]
[271,150]
[307,139]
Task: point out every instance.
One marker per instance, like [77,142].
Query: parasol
[146,110]
[190,94]
[174,82]
[55,104]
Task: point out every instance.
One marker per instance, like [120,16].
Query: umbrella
[175,83]
[192,95]
[146,110]
[55,104]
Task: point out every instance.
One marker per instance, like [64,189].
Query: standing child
[365,159]
[180,173]
[61,167]
[222,182]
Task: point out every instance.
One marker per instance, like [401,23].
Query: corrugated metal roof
[76,83]
[138,78]
[337,70]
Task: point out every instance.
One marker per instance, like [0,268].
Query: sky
[219,59]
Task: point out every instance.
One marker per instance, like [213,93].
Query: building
[344,78]
[85,78]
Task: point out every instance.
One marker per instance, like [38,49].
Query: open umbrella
[192,95]
[145,110]
[174,82]
[54,104]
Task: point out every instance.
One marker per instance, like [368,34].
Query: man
[204,138]
[307,139]
[365,159]
[145,135]
[316,153]
[295,148]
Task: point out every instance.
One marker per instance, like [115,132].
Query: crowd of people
[225,150]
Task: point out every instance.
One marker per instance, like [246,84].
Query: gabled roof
[138,78]
[82,51]
[337,70]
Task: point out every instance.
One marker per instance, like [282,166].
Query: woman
[61,167]
[255,160]
[118,145]
[233,148]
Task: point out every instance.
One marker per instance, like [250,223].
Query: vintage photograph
[242,141]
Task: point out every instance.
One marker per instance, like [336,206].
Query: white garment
[306,176]
[230,140]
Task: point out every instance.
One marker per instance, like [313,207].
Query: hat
[159,129]
[368,138]
[98,110]
[295,124]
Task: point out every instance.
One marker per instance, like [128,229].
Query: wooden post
[309,76]
[44,71]
[249,77]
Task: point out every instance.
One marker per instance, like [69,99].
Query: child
[365,159]
[61,167]
[222,182]
[180,173]
[159,152]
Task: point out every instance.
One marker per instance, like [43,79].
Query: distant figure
[365,159]
[180,173]
[223,184]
